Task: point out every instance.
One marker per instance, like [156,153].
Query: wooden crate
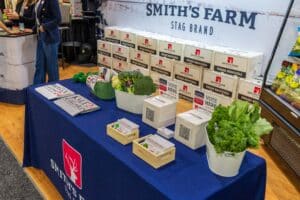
[121,137]
[152,159]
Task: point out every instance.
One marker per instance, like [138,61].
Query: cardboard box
[204,99]
[147,43]
[170,49]
[160,66]
[145,72]
[242,64]
[198,55]
[186,91]
[128,38]
[104,61]
[121,137]
[188,73]
[153,159]
[104,48]
[140,58]
[112,34]
[119,65]
[159,111]
[220,83]
[249,90]
[120,52]
[190,128]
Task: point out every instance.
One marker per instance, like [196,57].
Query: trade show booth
[183,90]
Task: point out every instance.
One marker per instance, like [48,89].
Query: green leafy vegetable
[134,83]
[237,127]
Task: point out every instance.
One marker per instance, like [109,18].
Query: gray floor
[14,184]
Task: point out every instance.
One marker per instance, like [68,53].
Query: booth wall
[250,25]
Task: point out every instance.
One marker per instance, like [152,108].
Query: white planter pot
[130,102]
[226,164]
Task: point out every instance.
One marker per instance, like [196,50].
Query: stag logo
[257,90]
[230,60]
[146,42]
[197,52]
[218,79]
[160,62]
[72,163]
[185,88]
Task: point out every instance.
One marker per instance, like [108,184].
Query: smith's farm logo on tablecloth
[72,163]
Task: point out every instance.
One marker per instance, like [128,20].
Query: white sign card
[168,87]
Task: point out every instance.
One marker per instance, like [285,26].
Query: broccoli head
[144,86]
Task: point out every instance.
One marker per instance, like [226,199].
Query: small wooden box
[121,137]
[155,160]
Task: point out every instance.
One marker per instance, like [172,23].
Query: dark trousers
[46,62]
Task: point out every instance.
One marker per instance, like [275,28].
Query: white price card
[207,100]
[169,88]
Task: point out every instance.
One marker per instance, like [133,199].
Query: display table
[77,148]
[17,60]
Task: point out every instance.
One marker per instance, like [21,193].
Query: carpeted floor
[14,184]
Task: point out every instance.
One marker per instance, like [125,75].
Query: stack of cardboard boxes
[225,72]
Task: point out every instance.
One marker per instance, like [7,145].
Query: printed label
[104,61]
[187,73]
[120,52]
[119,66]
[128,39]
[198,56]
[104,47]
[139,58]
[147,44]
[220,83]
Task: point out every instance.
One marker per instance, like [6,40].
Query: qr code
[149,114]
[184,132]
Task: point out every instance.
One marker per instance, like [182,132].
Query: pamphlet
[76,104]
[54,91]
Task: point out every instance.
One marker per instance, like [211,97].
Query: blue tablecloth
[105,169]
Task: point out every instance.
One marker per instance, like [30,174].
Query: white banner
[250,25]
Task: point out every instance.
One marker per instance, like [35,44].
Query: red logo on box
[218,79]
[257,90]
[197,52]
[103,46]
[170,46]
[138,55]
[160,62]
[230,60]
[111,32]
[186,70]
[146,41]
[185,88]
[119,49]
[72,163]
[103,59]
[127,35]
[120,64]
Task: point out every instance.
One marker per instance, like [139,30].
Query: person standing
[22,16]
[48,18]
